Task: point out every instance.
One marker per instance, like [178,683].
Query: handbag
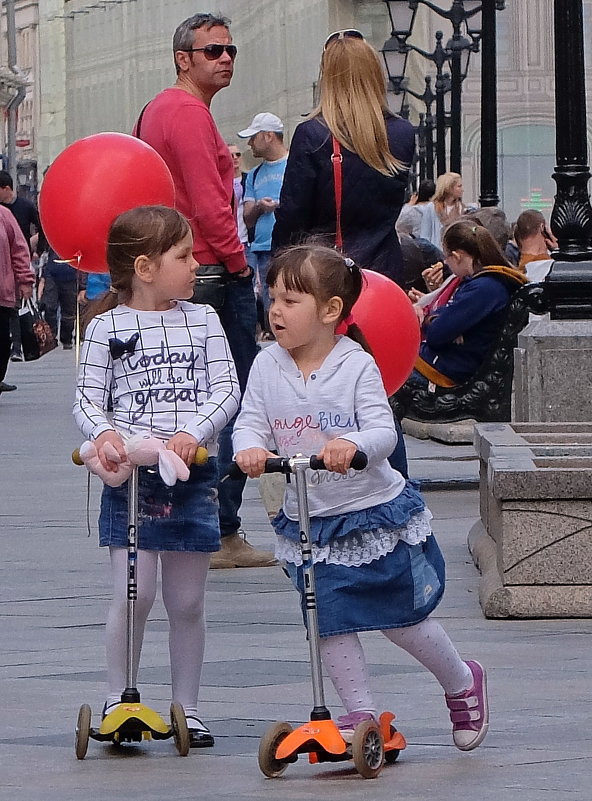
[36,335]
[210,285]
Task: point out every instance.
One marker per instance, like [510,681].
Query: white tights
[184,576]
[343,659]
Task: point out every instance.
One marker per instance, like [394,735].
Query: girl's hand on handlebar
[184,445]
[252,461]
[113,438]
[338,454]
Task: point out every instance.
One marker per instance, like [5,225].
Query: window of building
[526,163]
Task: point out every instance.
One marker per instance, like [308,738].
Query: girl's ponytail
[354,332]
[103,303]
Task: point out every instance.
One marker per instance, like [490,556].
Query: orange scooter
[374,742]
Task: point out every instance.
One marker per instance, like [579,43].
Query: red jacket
[180,127]
[15,259]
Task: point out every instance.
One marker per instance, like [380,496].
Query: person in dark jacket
[457,336]
[377,148]
[58,290]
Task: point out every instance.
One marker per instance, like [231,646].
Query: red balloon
[386,317]
[89,184]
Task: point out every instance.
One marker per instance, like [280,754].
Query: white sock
[344,661]
[431,646]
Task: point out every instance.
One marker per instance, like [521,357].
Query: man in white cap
[262,192]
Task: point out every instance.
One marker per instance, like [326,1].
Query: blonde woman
[445,207]
[377,148]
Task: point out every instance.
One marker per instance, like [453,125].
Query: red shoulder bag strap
[336,160]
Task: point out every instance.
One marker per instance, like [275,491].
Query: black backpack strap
[139,122]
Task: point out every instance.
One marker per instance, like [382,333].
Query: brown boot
[237,552]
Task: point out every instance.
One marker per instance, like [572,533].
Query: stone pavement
[53,600]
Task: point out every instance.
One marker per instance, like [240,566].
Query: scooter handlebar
[280,464]
[201,456]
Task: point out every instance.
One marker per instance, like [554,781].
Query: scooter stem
[131,694]
[320,711]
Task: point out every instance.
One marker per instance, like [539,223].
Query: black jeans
[62,295]
[238,316]
[5,313]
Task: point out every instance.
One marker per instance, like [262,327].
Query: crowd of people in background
[343,182]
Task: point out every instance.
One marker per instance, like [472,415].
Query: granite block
[546,542]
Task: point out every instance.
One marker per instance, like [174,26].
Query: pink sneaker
[347,723]
[469,712]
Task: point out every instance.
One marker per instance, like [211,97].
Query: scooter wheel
[82,731]
[268,764]
[179,727]
[367,749]
[391,756]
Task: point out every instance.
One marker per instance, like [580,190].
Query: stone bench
[533,543]
[486,396]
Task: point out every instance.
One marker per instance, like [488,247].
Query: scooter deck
[132,722]
[322,740]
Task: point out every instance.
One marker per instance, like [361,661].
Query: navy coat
[371,201]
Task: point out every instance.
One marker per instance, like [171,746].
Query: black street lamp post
[427,98]
[568,286]
[457,52]
[482,27]
[395,53]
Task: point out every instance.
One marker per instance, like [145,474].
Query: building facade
[102,60]
[27,63]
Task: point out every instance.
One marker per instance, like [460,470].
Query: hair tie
[349,263]
[474,229]
[113,290]
[349,320]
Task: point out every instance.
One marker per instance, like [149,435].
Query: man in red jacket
[178,124]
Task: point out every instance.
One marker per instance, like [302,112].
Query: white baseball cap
[262,122]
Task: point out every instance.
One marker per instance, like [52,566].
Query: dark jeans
[5,313]
[15,330]
[238,316]
[62,295]
[398,458]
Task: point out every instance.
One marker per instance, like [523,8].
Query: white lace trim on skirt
[362,547]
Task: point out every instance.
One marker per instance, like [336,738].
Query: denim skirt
[399,589]
[179,518]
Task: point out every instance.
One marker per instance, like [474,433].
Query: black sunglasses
[350,33]
[214,51]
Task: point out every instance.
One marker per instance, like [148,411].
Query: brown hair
[529,223]
[323,273]
[353,102]
[477,242]
[144,231]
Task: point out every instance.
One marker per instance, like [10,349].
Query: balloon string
[77,257]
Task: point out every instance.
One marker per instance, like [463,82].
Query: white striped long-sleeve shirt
[166,371]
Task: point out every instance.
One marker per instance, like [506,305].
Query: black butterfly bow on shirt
[117,348]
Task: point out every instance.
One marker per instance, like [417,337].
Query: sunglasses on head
[214,51]
[350,33]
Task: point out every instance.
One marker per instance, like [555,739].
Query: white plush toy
[141,449]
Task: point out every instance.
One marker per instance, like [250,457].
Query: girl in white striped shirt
[165,365]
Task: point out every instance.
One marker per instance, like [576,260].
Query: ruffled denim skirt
[398,589]
[179,518]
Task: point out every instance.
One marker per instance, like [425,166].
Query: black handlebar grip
[359,462]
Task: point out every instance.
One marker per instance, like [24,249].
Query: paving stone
[54,591]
